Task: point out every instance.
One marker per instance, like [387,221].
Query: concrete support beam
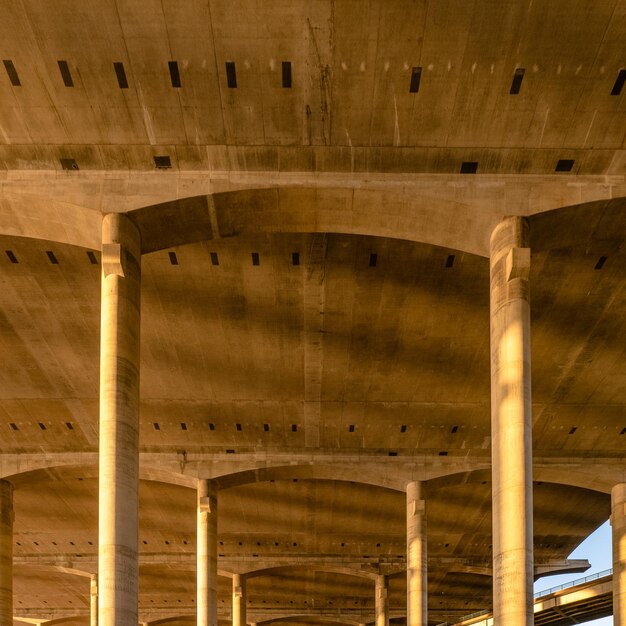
[93,596]
[119,422]
[511,425]
[382,601]
[618,524]
[416,565]
[239,600]
[6,552]
[207,554]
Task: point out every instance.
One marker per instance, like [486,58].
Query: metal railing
[539,594]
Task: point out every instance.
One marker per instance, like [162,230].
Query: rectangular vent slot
[469,167]
[450,260]
[403,428]
[11,256]
[214,259]
[238,426]
[13,426]
[286,74]
[373,259]
[69,425]
[564,165]
[454,429]
[393,454]
[12,73]
[351,428]
[174,74]
[52,258]
[623,431]
[211,426]
[173,258]
[92,257]
[518,77]
[68,164]
[162,162]
[230,452]
[294,428]
[443,453]
[156,426]
[120,72]
[295,258]
[266,428]
[231,75]
[42,426]
[600,264]
[572,430]
[65,73]
[255,259]
[416,76]
[619,83]
[183,426]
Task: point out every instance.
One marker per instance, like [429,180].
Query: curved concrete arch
[332,569]
[170,620]
[299,617]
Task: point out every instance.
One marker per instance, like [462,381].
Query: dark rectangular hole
[619,83]
[572,430]
[52,258]
[183,426]
[564,165]
[68,164]
[621,432]
[295,258]
[469,167]
[12,72]
[443,453]
[66,75]
[156,426]
[266,427]
[600,264]
[211,426]
[287,74]
[69,425]
[173,258]
[393,454]
[42,426]
[255,259]
[416,75]
[373,259]
[174,74]
[454,429]
[351,428]
[231,75]
[11,256]
[230,452]
[450,260]
[238,426]
[91,255]
[294,428]
[13,425]
[518,77]
[214,259]
[120,72]
[403,428]
[162,162]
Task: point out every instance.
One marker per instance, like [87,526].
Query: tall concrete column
[416,558]
[618,525]
[239,600]
[119,422]
[382,601]
[511,425]
[6,552]
[207,554]
[93,595]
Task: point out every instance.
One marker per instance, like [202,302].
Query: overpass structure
[311,311]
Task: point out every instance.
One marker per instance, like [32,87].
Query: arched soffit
[308,619]
[331,569]
[173,620]
[72,619]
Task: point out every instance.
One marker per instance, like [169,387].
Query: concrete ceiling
[315,302]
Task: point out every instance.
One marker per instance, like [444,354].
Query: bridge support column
[239,600]
[207,554]
[119,422]
[416,557]
[511,425]
[6,552]
[618,525]
[382,601]
[93,596]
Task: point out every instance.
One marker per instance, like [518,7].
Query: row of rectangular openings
[562,165]
[42,426]
[212,426]
[231,76]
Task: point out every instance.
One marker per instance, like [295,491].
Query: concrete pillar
[119,422]
[511,425]
[239,600]
[6,552]
[382,601]
[93,594]
[207,554]
[416,557]
[618,524]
